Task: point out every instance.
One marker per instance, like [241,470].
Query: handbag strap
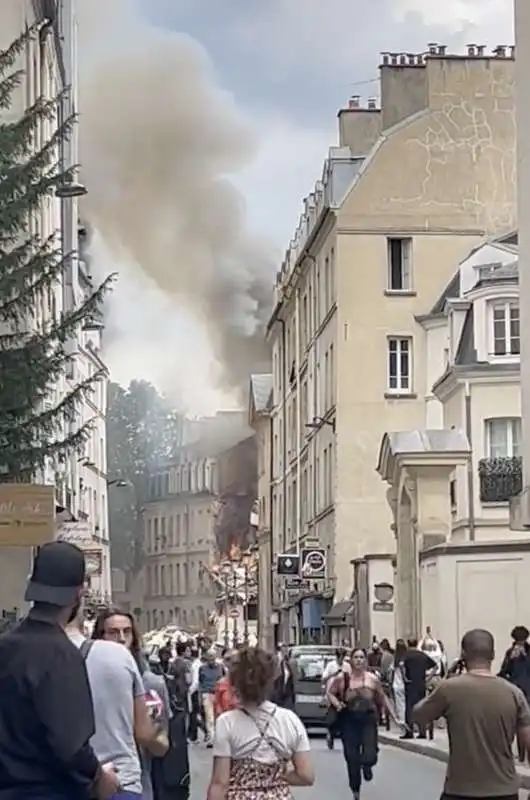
[86,647]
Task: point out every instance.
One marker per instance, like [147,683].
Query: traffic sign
[234,613]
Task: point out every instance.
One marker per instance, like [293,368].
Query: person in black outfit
[164,654]
[46,712]
[283,691]
[170,775]
[516,669]
[416,665]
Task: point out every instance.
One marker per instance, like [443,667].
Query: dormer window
[506,328]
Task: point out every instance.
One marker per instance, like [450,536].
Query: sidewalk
[437,748]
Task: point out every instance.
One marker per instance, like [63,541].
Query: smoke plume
[159,141]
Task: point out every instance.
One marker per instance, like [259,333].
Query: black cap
[58,575]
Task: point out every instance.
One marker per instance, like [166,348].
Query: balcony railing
[500,479]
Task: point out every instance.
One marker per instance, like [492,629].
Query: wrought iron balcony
[500,479]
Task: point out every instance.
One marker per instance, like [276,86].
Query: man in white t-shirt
[333,668]
[336,665]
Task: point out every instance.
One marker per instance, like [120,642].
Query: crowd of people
[92,719]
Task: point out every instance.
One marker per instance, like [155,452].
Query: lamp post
[225,571]
[235,631]
[246,562]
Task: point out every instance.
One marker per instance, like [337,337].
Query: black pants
[411,698]
[359,742]
[195,717]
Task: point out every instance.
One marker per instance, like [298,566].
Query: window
[399,364]
[506,334]
[503,437]
[399,258]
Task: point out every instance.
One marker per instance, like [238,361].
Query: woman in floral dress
[260,749]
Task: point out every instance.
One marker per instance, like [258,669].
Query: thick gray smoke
[158,142]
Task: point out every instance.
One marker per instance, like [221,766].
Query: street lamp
[318,422]
[235,631]
[70,189]
[225,572]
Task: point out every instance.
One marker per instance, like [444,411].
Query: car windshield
[311,666]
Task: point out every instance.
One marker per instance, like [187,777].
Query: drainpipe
[470,473]
[298,421]
[284,442]
[271,639]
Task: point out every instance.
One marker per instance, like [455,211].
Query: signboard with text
[314,562]
[27,514]
[78,533]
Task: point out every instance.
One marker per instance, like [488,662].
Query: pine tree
[35,426]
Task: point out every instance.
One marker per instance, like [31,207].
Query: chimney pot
[481,49]
[513,51]
[500,51]
[402,58]
[386,58]
[471,49]
[442,49]
[432,46]
[394,58]
[412,59]
[354,101]
[372,103]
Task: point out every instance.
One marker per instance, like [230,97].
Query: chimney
[472,50]
[433,48]
[500,51]
[372,104]
[359,128]
[442,49]
[385,59]
[481,49]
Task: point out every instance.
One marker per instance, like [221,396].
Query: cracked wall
[444,177]
[452,167]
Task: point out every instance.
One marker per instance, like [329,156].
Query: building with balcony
[412,187]
[453,481]
[472,342]
[198,511]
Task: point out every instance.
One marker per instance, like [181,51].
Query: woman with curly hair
[260,749]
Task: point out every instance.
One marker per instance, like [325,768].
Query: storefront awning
[340,614]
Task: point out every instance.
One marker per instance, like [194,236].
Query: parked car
[309,662]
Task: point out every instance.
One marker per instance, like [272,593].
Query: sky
[291,64]
[203,126]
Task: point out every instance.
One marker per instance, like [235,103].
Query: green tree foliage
[36,423]
[143,432]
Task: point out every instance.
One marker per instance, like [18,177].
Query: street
[398,774]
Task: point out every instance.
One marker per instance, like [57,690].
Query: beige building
[199,509]
[260,400]
[179,538]
[410,189]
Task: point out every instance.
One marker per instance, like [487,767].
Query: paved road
[398,775]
